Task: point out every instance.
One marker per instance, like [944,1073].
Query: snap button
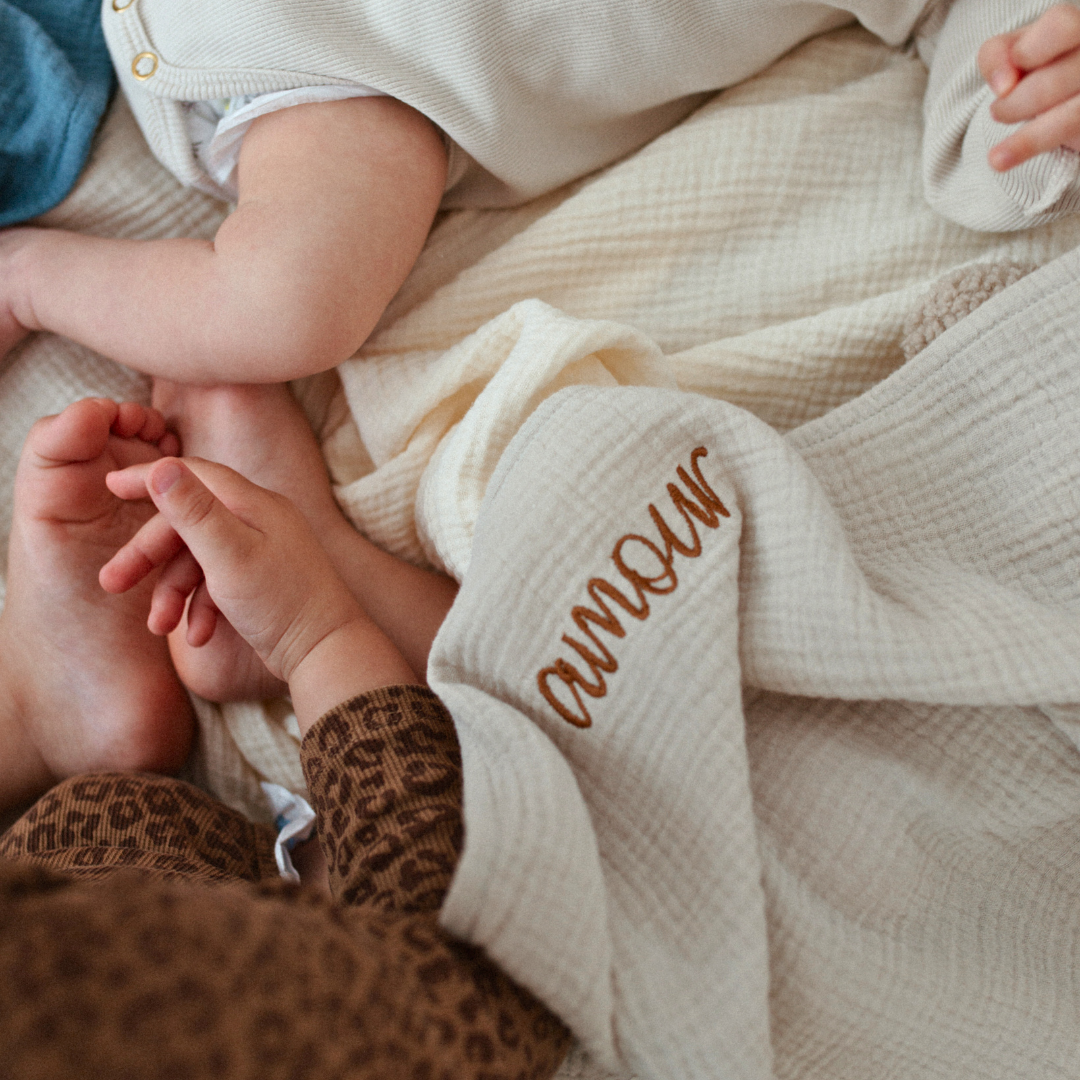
[144,65]
[121,5]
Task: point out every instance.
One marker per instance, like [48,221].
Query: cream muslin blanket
[872,890]
[625,806]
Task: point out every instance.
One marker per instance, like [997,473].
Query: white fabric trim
[294,820]
[220,154]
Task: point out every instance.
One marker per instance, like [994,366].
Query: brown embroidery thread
[708,510]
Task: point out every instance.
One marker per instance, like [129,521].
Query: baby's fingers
[1048,37]
[202,617]
[154,545]
[180,578]
[129,483]
[212,532]
[1058,127]
[996,64]
[1040,91]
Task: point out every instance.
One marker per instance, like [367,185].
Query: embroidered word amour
[702,505]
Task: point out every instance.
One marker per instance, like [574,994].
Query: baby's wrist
[353,658]
[21,252]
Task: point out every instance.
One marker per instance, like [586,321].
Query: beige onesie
[536,94]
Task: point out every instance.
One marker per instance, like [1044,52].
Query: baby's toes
[61,474]
[79,433]
[137,421]
[125,452]
[169,445]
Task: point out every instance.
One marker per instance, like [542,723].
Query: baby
[261,432]
[336,186]
[143,924]
[85,684]
[335,195]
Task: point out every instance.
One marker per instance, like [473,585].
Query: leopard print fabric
[136,974]
[384,775]
[91,825]
[129,977]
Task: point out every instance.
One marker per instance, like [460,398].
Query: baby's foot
[86,686]
[262,433]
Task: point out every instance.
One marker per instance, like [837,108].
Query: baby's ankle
[24,773]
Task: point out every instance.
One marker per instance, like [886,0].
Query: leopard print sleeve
[203,963]
[384,775]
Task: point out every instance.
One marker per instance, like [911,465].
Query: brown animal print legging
[145,932]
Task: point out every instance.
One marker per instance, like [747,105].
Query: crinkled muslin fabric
[823,821]
[909,561]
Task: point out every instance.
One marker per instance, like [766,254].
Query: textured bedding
[864,862]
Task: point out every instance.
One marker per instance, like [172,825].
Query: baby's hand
[233,547]
[1035,74]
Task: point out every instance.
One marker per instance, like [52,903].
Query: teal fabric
[55,83]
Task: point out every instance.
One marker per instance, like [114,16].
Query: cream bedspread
[901,882]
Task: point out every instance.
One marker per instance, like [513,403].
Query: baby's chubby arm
[1035,75]
[335,202]
[247,552]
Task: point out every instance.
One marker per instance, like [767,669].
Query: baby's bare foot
[261,432]
[85,685]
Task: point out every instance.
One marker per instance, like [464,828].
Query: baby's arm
[1035,73]
[223,539]
[335,202]
[964,123]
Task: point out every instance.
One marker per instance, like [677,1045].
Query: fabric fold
[591,666]
[639,555]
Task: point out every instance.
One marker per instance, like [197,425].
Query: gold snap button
[121,5]
[144,65]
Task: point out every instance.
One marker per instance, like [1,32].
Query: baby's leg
[84,685]
[261,432]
